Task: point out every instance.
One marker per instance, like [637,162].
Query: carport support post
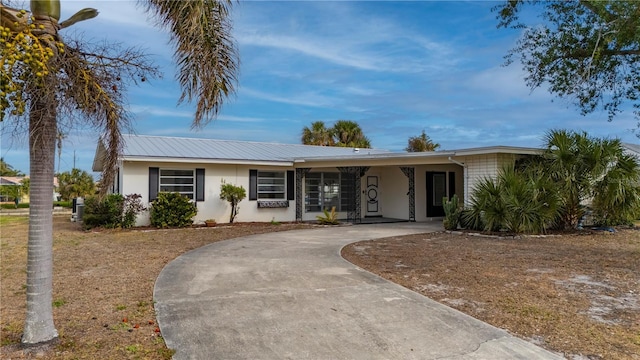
[300,174]
[356,173]
[410,173]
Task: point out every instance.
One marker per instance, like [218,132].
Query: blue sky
[394,67]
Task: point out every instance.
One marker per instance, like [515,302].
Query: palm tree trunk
[39,325]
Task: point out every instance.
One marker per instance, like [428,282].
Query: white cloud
[340,35]
[142,110]
[306,99]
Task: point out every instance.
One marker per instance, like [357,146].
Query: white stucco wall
[393,188]
[135,179]
[394,201]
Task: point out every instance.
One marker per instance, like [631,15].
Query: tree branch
[608,16]
[583,54]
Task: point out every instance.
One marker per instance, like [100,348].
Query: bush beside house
[555,190]
[172,210]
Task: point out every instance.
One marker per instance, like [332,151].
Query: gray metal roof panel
[634,149]
[196,148]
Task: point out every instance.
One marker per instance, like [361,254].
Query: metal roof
[633,149]
[177,149]
[365,154]
[195,148]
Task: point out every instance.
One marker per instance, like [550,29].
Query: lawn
[573,294]
[578,295]
[103,286]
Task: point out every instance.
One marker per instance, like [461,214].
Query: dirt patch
[573,294]
[103,286]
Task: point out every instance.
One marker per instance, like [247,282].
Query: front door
[372,193]
[437,190]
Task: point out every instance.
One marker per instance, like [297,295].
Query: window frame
[190,194]
[271,182]
[334,191]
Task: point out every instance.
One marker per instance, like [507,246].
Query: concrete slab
[289,295]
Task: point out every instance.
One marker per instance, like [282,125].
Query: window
[271,185]
[181,181]
[326,190]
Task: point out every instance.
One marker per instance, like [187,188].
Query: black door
[437,190]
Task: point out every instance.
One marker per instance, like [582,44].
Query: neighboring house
[287,182]
[7,196]
[17,181]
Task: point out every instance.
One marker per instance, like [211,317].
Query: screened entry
[324,190]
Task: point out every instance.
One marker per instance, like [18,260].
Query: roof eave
[206,161]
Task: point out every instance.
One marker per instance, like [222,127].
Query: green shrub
[617,197]
[13,206]
[113,211]
[329,218]
[452,213]
[234,195]
[131,208]
[172,210]
[517,201]
[471,218]
[64,204]
[106,212]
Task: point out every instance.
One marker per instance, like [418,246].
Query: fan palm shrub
[616,199]
[516,201]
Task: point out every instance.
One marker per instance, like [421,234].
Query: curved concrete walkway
[289,295]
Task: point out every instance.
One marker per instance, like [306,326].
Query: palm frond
[94,83]
[205,51]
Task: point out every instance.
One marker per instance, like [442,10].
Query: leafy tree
[43,74]
[585,50]
[25,186]
[349,134]
[75,183]
[318,134]
[421,143]
[8,170]
[10,191]
[234,195]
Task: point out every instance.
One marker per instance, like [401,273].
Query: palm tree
[75,183]
[586,168]
[349,134]
[318,134]
[421,143]
[57,75]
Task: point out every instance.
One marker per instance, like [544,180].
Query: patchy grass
[103,286]
[8,220]
[574,294]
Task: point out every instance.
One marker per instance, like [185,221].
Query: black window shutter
[452,184]
[154,178]
[253,184]
[291,187]
[199,184]
[117,190]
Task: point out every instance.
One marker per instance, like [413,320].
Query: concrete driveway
[289,295]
